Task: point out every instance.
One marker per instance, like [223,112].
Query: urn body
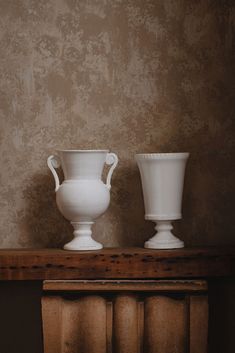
[82,197]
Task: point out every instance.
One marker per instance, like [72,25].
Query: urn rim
[83,151]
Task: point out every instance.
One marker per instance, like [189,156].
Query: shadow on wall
[205,218]
[123,224]
[128,206]
[45,226]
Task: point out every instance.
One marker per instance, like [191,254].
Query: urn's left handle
[54,162]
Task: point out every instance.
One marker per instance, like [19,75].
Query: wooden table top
[116,263]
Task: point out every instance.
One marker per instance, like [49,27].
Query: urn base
[82,238]
[164,239]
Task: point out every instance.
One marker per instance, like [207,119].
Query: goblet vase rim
[157,156]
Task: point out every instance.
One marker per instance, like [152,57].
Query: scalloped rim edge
[177,155]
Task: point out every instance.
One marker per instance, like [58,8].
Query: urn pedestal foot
[164,239]
[82,238]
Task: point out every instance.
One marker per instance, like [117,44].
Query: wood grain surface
[198,324]
[184,286]
[25,264]
[74,326]
[125,324]
[165,325]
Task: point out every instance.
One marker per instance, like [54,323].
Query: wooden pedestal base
[125,316]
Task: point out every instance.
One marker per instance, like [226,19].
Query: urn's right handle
[54,162]
[111,159]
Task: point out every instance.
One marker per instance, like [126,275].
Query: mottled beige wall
[131,76]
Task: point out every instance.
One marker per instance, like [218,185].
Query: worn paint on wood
[116,263]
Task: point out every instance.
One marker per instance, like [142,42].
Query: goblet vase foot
[82,238]
[164,239]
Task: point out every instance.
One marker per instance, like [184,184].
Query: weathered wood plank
[116,263]
[184,286]
[166,320]
[198,324]
[74,326]
[52,323]
[82,316]
[125,324]
[109,325]
[89,333]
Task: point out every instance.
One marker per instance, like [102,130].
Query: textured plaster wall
[131,76]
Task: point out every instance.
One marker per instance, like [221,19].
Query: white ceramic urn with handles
[82,197]
[162,177]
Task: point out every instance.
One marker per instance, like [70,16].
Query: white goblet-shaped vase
[162,177]
[82,197]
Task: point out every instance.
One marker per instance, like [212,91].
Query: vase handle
[54,162]
[111,159]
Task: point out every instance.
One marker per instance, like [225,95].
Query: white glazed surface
[162,177]
[82,197]
[82,200]
[79,164]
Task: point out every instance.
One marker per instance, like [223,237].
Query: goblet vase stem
[164,239]
[82,238]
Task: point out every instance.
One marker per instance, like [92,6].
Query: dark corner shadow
[44,225]
[221,315]
[20,319]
